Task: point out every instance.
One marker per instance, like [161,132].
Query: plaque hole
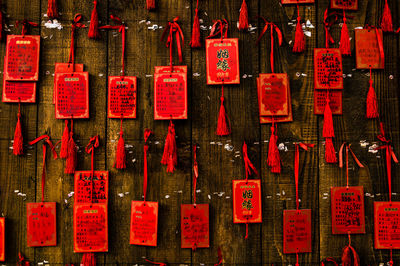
[42,205]
[144,204]
[90,247]
[41,242]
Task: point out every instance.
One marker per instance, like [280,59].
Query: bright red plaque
[387,221]
[274,95]
[195,226]
[296,231]
[335,102]
[65,68]
[144,223]
[41,224]
[344,4]
[2,239]
[122,91]
[19,91]
[247,201]
[369,49]
[297,1]
[328,72]
[83,187]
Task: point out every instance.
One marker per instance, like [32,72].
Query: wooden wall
[219,158]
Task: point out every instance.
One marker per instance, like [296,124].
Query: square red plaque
[195,226]
[345,4]
[273,96]
[297,1]
[83,187]
[368,48]
[335,102]
[347,205]
[328,73]
[387,221]
[144,223]
[19,91]
[65,68]
[122,91]
[296,231]
[2,239]
[222,59]
[41,224]
[247,201]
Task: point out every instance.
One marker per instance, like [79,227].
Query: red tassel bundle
[386,22]
[372,103]
[52,9]
[64,142]
[243,17]
[88,259]
[195,42]
[299,38]
[170,157]
[151,4]
[223,126]
[120,161]
[345,39]
[94,23]
[274,159]
[70,164]
[350,257]
[18,145]
[328,133]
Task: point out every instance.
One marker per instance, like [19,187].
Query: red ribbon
[249,167]
[147,134]
[220,259]
[380,41]
[195,173]
[220,27]
[156,263]
[173,27]
[75,24]
[24,24]
[305,147]
[93,143]
[272,27]
[327,26]
[347,159]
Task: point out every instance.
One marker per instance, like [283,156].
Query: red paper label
[387,221]
[247,201]
[16,91]
[344,4]
[41,224]
[170,96]
[167,69]
[297,1]
[65,68]
[2,239]
[144,223]
[335,102]
[195,226]
[72,95]
[274,95]
[90,227]
[83,187]
[122,93]
[222,59]
[347,205]
[296,231]
[367,49]
[22,58]
[328,69]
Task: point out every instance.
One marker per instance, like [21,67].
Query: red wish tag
[195,226]
[144,223]
[122,91]
[222,59]
[297,1]
[344,4]
[347,205]
[90,227]
[41,224]
[328,72]
[22,58]
[72,95]
[2,239]
[386,221]
[83,187]
[18,91]
[247,201]
[65,68]
[274,94]
[296,231]
[335,102]
[369,49]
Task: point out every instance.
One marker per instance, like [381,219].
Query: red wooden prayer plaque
[19,91]
[387,221]
[296,231]
[328,72]
[274,94]
[83,187]
[167,69]
[65,68]
[41,224]
[345,4]
[247,201]
[144,223]
[369,49]
[335,102]
[297,1]
[122,91]
[2,239]
[347,205]
[90,227]
[222,59]
[195,226]
[170,96]
[22,58]
[72,95]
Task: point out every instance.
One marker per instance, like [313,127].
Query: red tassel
[52,9]
[18,145]
[345,39]
[151,4]
[223,126]
[70,164]
[274,159]
[64,142]
[328,131]
[170,157]
[120,162]
[88,259]
[350,257]
[372,104]
[299,38]
[195,42]
[243,17]
[330,154]
[386,23]
[94,23]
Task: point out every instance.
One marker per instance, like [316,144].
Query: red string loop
[173,27]
[25,23]
[305,147]
[248,165]
[195,173]
[147,134]
[93,143]
[272,28]
[220,27]
[75,24]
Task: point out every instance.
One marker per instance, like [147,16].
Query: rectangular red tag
[41,224]
[296,231]
[335,102]
[65,68]
[368,50]
[297,1]
[195,226]
[274,94]
[387,221]
[122,91]
[83,187]
[222,59]
[72,95]
[2,239]
[344,4]
[22,58]
[18,91]
[328,72]
[347,204]
[90,227]
[144,223]
[247,201]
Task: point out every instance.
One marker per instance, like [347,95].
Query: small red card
[347,205]
[83,187]
[41,224]
[274,94]
[65,68]
[335,102]
[345,4]
[297,1]
[195,226]
[296,231]
[247,201]
[387,221]
[222,59]
[144,223]
[19,91]
[72,95]
[122,91]
[328,72]
[90,227]
[2,239]
[22,58]
[170,95]
[368,50]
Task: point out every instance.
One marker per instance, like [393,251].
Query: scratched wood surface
[220,158]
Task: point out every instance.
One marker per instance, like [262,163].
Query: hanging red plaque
[122,91]
[222,59]
[22,58]
[386,221]
[297,231]
[344,4]
[144,223]
[297,1]
[369,49]
[41,224]
[17,91]
[65,68]
[335,102]
[347,205]
[2,239]
[328,72]
[90,227]
[83,187]
[247,201]
[195,226]
[273,96]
